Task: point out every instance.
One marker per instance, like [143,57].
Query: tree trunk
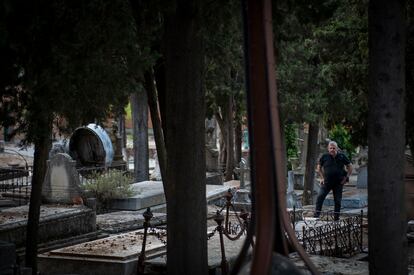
[386,138]
[409,59]
[238,141]
[159,75]
[222,142]
[156,123]
[139,110]
[311,156]
[185,142]
[229,140]
[41,153]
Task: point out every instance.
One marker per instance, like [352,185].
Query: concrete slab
[122,221]
[151,193]
[115,255]
[118,255]
[148,193]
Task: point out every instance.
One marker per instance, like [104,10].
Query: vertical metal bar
[224,264]
[362,228]
[229,196]
[294,217]
[141,259]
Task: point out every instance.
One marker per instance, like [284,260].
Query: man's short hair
[333,143]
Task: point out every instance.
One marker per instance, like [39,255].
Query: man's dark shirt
[334,167]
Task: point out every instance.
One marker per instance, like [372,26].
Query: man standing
[334,168]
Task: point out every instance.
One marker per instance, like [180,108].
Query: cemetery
[206,137]
[75,239]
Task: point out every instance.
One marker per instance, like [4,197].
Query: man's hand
[321,182]
[343,180]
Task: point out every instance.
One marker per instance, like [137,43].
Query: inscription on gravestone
[61,183]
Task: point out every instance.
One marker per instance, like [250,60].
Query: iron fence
[15,183]
[329,237]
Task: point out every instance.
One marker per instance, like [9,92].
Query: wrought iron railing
[15,183]
[225,228]
[329,237]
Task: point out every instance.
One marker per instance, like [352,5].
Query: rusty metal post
[141,259]
[218,218]
[362,230]
[229,197]
[294,217]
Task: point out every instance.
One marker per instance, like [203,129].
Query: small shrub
[108,186]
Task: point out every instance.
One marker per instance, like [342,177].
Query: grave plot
[324,236]
[112,255]
[56,222]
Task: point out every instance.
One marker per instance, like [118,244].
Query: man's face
[332,149]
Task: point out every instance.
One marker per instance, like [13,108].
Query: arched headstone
[61,183]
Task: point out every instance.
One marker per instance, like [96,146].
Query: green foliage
[341,135]
[77,60]
[322,63]
[290,139]
[105,187]
[224,71]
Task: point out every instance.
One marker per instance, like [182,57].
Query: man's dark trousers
[336,188]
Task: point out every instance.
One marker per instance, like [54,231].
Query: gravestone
[211,159]
[214,178]
[362,179]
[61,183]
[299,178]
[210,146]
[243,172]
[156,174]
[291,197]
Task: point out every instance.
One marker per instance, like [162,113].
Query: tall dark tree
[409,59]
[186,189]
[67,59]
[386,138]
[223,71]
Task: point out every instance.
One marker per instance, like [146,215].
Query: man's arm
[348,168]
[319,170]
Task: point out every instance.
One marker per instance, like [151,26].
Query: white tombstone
[61,183]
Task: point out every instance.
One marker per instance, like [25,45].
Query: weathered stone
[148,194]
[56,222]
[362,179]
[61,183]
[214,178]
[122,221]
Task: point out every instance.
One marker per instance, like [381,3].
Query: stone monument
[61,183]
